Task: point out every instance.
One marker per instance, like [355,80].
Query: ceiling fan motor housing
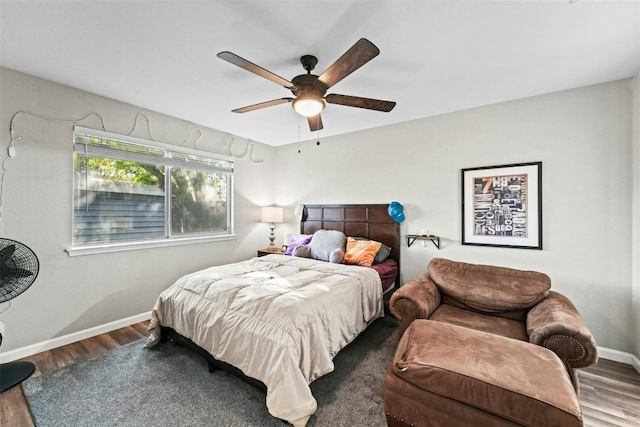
[308,92]
[305,86]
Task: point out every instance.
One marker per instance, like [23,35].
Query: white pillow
[328,245]
[302,251]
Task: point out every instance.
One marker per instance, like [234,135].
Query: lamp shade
[271,214]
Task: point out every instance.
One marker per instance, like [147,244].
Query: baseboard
[30,350]
[619,356]
[636,363]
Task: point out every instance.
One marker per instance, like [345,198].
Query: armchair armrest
[555,323]
[415,299]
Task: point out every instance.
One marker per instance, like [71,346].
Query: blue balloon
[396,211]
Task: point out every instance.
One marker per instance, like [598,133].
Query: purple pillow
[298,240]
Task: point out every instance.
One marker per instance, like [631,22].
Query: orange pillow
[361,252]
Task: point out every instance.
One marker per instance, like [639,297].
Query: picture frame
[502,206]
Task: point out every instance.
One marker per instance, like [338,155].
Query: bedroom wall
[582,136]
[73,294]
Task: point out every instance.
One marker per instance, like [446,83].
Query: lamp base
[272,237]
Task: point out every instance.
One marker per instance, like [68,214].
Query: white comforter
[280,319]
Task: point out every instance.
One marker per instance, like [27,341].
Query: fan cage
[23,258]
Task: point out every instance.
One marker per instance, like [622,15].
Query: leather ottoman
[448,375]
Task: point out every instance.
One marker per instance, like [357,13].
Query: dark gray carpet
[171,386]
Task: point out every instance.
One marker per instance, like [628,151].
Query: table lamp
[271,215]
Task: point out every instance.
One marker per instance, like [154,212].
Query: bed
[277,321]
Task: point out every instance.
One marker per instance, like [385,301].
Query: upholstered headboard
[370,221]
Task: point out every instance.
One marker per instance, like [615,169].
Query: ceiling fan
[309,89]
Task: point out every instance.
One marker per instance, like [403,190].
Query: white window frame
[117,246]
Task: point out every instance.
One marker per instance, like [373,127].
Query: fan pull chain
[299,120]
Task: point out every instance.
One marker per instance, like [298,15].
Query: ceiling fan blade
[356,101]
[359,54]
[262,105]
[315,122]
[256,69]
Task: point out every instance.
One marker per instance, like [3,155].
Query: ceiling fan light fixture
[309,106]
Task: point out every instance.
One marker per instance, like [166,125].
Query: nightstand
[263,252]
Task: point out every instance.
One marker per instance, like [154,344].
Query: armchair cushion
[489,289]
[510,328]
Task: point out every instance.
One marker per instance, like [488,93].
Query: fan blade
[256,69]
[359,54]
[15,272]
[7,252]
[315,122]
[356,101]
[262,105]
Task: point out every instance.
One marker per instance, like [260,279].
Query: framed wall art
[502,206]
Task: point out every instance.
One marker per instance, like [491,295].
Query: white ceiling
[436,56]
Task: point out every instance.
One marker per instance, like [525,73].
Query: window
[132,190]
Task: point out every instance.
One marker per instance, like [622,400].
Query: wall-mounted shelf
[411,238]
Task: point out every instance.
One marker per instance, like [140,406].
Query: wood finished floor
[609,391]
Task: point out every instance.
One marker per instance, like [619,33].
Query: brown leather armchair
[512,303]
